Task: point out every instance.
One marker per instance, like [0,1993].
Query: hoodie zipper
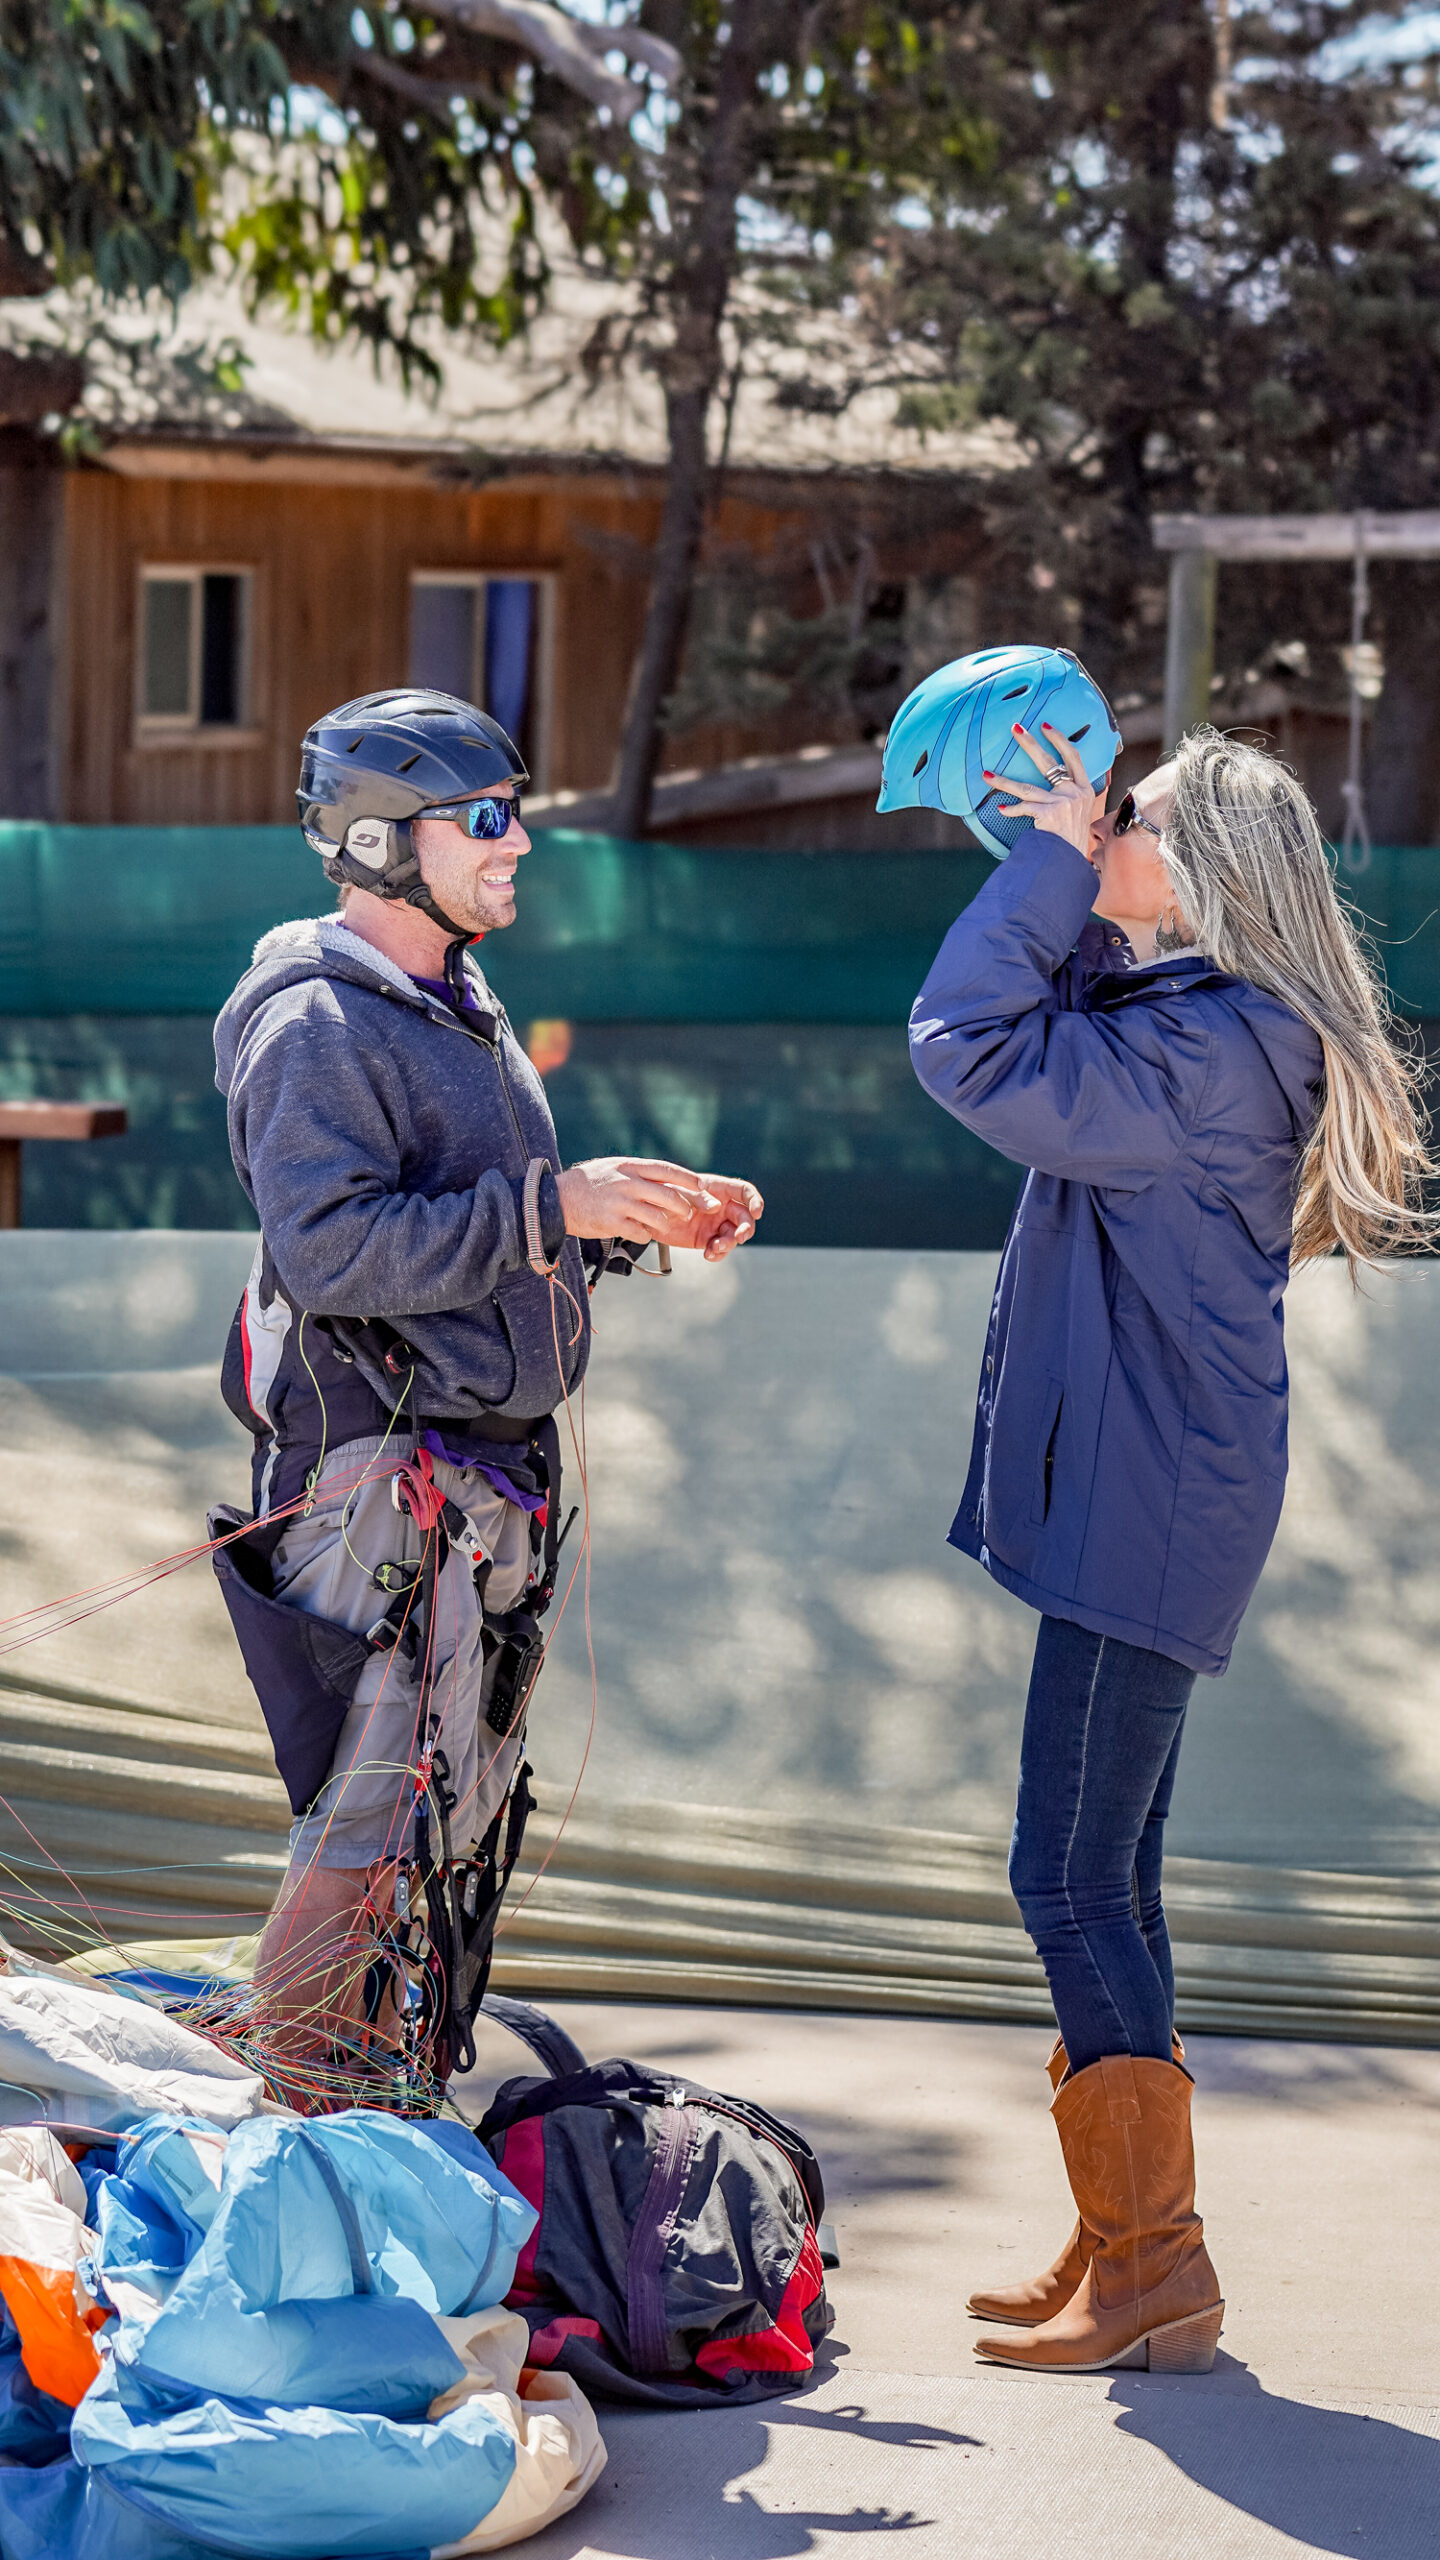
[494,1050]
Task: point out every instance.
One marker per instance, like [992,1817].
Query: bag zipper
[650,2236]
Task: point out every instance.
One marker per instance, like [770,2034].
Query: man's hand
[647,1201]
[716,1231]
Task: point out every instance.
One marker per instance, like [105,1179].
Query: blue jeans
[1097,1768]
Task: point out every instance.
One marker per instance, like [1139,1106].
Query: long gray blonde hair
[1243,847]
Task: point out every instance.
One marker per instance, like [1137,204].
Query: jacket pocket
[1045,1457]
[304,1670]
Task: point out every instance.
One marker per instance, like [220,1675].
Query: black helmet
[386,758]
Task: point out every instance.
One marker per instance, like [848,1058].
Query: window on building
[194,640]
[486,639]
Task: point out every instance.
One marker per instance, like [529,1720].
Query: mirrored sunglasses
[484,819]
[1128,816]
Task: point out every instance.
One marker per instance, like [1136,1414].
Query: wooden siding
[330,619]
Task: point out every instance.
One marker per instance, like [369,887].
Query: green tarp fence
[742,1008]
[161,920]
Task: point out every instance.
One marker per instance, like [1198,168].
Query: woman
[1167,1015]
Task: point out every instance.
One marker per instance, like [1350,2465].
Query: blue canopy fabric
[306,2482]
[278,2352]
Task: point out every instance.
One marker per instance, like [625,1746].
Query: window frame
[546,581]
[174,729]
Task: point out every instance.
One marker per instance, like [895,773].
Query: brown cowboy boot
[1026,2305]
[1149,2296]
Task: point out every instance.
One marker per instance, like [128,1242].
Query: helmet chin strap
[455,971]
[421,898]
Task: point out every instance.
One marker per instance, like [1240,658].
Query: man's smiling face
[472,879]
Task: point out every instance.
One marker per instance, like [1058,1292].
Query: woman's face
[1134,884]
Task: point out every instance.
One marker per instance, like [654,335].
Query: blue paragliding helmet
[960,722]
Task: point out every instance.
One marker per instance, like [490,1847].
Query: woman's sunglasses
[485,818]
[1128,816]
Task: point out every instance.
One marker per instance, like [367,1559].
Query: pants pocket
[304,1670]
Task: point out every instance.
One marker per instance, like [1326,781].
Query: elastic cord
[535,1253]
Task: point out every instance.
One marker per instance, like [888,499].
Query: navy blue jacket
[1130,1440]
[383,1147]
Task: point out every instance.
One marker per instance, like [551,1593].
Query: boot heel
[1187,2346]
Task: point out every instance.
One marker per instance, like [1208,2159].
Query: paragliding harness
[438,1967]
[432,1955]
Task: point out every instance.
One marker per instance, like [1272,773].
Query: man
[417,1311]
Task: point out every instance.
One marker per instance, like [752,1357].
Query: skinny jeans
[1103,1723]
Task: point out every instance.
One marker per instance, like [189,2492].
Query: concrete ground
[1319,2430]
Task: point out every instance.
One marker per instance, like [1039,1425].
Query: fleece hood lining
[318,938]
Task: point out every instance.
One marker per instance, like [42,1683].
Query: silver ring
[1057,773]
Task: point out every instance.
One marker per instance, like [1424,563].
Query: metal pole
[1355,842]
[1189,644]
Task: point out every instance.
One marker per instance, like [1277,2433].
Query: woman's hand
[1066,803]
[648,1201]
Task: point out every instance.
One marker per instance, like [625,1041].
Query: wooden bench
[21,1120]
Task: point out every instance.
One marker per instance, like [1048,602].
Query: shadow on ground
[1329,2480]
[1309,2075]
[701,2510]
[1334,2481]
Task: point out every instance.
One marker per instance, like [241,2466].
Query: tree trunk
[699,292]
[32,514]
[667,616]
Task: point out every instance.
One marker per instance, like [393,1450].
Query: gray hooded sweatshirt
[383,1142]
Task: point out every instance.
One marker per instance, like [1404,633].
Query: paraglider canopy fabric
[291,2371]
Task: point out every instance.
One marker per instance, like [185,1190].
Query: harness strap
[547,1442]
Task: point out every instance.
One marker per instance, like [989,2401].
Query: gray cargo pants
[325,1563]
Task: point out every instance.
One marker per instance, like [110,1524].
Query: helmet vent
[1077,734]
[409,761]
[922,763]
[354,743]
[1014,693]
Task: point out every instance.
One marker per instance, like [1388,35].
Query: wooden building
[213,566]
[235,544]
